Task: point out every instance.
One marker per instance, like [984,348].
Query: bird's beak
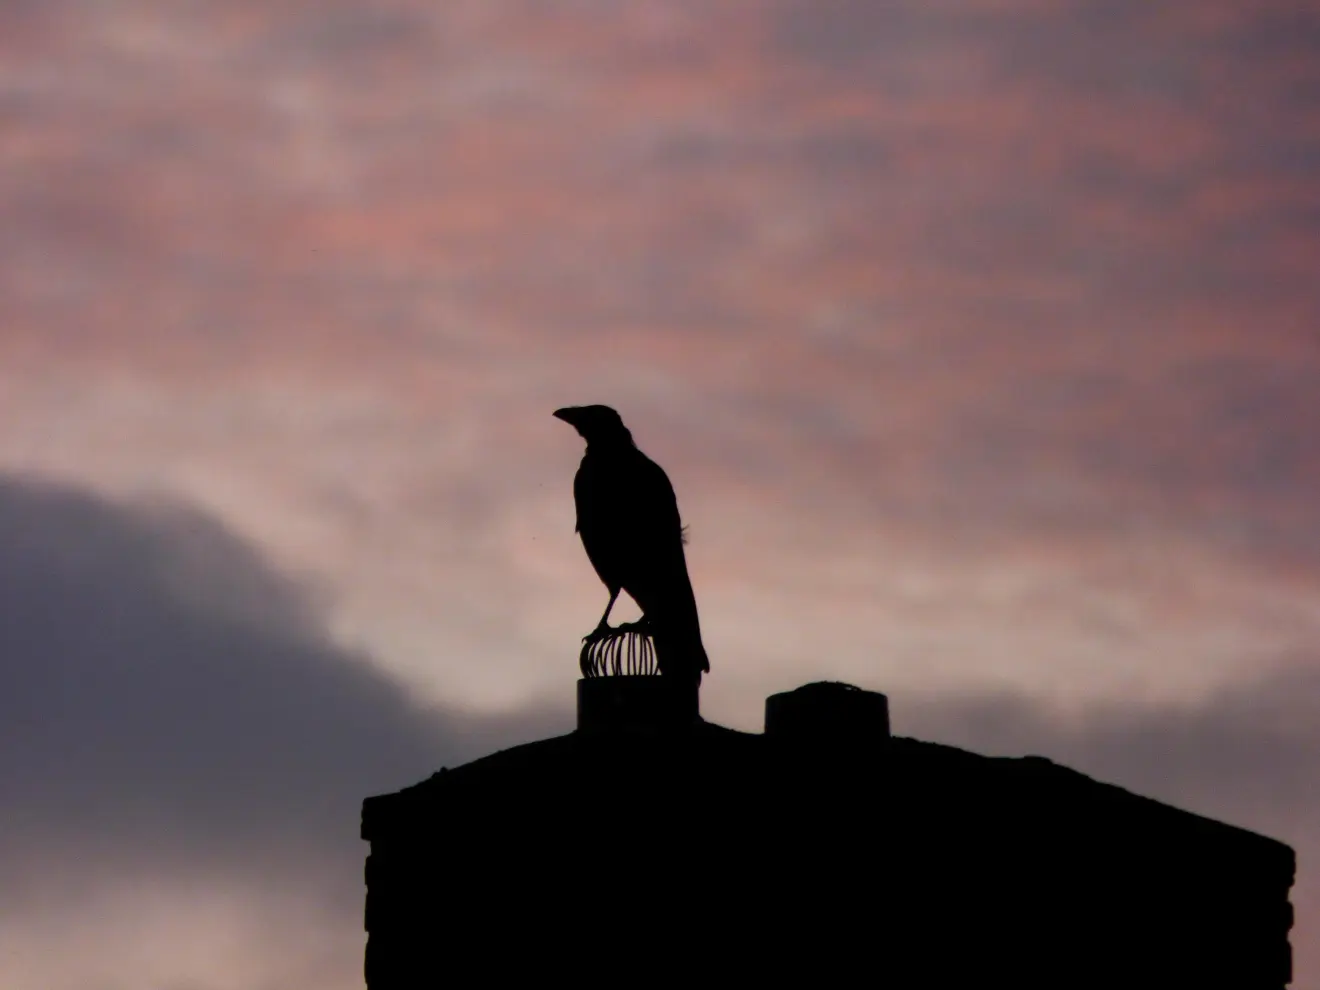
[566,414]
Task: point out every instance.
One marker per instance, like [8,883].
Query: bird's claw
[602,631]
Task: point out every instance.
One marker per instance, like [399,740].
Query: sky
[980,339]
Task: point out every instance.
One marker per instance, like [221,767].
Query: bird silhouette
[627,517]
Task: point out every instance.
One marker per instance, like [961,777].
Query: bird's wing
[655,530]
[656,502]
[580,495]
[654,533]
[597,523]
[659,582]
[627,516]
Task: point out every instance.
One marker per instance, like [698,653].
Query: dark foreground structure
[650,846]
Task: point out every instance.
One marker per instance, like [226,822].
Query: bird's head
[595,424]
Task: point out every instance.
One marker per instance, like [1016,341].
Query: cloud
[156,670]
[181,744]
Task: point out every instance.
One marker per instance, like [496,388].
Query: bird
[627,517]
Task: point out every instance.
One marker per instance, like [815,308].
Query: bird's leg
[614,596]
[602,627]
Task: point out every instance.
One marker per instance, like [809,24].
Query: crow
[628,519]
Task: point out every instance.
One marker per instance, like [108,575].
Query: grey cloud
[1083,45]
[1250,747]
[846,32]
[1130,75]
[350,31]
[1288,29]
[157,677]
[172,713]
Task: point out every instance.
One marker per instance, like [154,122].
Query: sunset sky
[980,339]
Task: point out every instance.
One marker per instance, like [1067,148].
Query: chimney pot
[827,711]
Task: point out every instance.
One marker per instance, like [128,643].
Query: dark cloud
[178,736]
[157,679]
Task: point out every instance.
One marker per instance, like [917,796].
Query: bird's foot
[602,631]
[641,627]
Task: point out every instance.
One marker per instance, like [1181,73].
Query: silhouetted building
[649,846]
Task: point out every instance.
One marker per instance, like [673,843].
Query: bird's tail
[680,653]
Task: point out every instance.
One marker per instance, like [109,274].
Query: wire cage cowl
[624,651]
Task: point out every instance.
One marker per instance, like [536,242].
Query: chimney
[636,703]
[651,841]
